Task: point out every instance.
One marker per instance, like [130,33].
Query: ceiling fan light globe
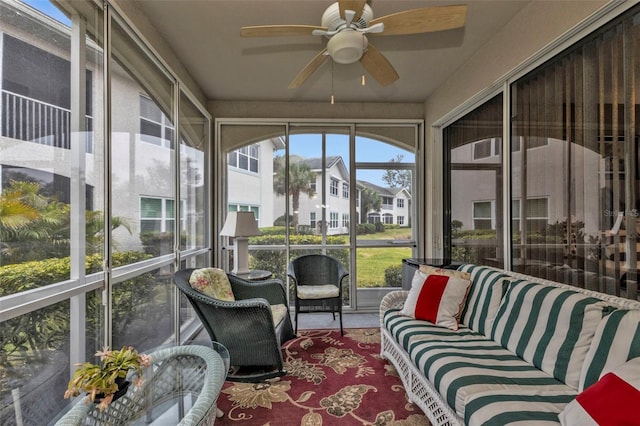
[347,46]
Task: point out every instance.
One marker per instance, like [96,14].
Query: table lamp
[240,226]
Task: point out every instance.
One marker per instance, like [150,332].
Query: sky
[46,7]
[367,150]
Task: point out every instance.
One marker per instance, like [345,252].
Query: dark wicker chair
[309,274]
[245,326]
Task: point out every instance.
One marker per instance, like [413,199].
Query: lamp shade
[240,224]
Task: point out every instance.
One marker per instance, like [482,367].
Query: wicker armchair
[244,326]
[317,281]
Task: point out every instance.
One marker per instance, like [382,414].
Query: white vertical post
[15,394]
[77,188]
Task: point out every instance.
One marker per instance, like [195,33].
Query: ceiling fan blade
[379,66]
[279,30]
[309,69]
[356,5]
[424,20]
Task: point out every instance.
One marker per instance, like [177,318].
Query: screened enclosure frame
[577,38]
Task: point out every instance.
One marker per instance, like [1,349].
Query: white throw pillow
[437,298]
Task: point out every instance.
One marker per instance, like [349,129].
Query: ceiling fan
[346,24]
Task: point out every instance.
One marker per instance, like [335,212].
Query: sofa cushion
[436,298]
[213,282]
[485,383]
[612,400]
[617,340]
[322,291]
[549,327]
[488,286]
[405,330]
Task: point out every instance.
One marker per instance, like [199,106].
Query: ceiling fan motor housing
[332,20]
[347,46]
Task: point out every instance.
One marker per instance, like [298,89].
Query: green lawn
[389,234]
[372,262]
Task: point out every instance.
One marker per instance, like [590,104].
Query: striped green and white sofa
[524,350]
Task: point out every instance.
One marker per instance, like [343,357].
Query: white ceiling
[205,34]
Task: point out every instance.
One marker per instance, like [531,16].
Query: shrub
[276,261]
[159,243]
[365,228]
[393,276]
[31,336]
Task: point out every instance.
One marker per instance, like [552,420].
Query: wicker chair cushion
[213,282]
[318,291]
[278,312]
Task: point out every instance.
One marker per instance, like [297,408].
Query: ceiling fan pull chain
[364,48]
[332,99]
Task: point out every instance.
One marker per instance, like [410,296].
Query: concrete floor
[325,320]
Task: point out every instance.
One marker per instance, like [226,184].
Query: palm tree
[300,177]
[369,200]
[26,219]
[14,214]
[35,227]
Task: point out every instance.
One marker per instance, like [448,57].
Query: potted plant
[105,382]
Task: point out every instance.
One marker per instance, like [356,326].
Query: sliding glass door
[342,189]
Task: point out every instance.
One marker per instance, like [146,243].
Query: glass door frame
[220,195]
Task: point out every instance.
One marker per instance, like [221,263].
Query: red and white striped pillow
[436,298]
[612,400]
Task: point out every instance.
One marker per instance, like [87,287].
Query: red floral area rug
[331,380]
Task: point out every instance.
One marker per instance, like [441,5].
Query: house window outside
[333,220]
[155,127]
[487,148]
[157,214]
[387,218]
[537,214]
[345,190]
[312,220]
[345,220]
[400,220]
[245,208]
[333,188]
[482,215]
[387,203]
[400,203]
[245,158]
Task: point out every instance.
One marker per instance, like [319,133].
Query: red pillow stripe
[436,298]
[611,391]
[611,401]
[430,297]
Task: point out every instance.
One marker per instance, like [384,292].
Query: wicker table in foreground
[182,384]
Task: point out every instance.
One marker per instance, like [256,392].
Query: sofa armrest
[393,300]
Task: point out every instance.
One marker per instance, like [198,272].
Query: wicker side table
[192,373]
